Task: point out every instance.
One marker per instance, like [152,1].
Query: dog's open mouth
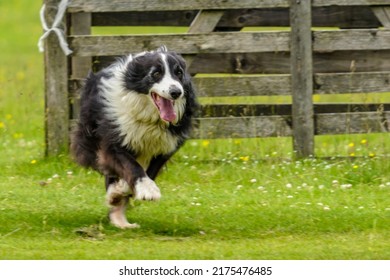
[165,107]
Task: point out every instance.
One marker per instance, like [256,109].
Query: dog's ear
[162,48]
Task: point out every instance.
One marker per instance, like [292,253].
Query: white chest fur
[138,122]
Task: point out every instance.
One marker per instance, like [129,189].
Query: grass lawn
[222,199]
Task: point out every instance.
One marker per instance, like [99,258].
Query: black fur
[97,140]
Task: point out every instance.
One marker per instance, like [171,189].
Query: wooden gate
[234,50]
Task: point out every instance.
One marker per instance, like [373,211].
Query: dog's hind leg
[117,197]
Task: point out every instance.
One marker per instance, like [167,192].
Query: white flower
[289,186]
[346,186]
[253,180]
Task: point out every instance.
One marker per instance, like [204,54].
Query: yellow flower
[246,158]
[8,116]
[2,125]
[351,145]
[205,143]
[352,154]
[34,161]
[363,142]
[371,154]
[237,142]
[355,166]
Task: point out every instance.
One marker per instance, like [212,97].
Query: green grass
[222,199]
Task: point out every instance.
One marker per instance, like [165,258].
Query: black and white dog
[134,116]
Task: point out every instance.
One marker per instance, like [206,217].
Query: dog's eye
[179,73]
[156,74]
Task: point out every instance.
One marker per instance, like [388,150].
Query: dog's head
[162,76]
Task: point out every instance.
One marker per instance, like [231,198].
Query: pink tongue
[167,113]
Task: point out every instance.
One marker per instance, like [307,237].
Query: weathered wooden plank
[243,85]
[280,126]
[279,62]
[171,5]
[271,85]
[56,86]
[302,78]
[383,14]
[80,25]
[366,39]
[322,3]
[243,127]
[339,16]
[231,42]
[352,82]
[351,123]
[204,22]
[365,82]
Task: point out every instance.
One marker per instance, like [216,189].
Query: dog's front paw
[146,189]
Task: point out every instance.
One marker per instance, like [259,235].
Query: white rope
[55,28]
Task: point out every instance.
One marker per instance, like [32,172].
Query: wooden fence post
[302,78]
[56,88]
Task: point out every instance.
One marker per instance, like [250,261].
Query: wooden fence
[299,61]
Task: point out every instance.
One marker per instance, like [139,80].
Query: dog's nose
[175,92]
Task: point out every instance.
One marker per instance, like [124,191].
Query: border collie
[134,115]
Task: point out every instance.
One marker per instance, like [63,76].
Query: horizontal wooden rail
[272,85]
[169,5]
[281,126]
[229,42]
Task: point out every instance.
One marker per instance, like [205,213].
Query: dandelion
[34,161]
[205,143]
[355,166]
[363,142]
[246,158]
[351,145]
[237,142]
[371,154]
[2,125]
[352,154]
